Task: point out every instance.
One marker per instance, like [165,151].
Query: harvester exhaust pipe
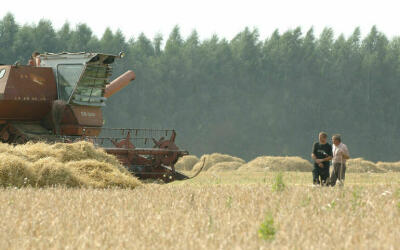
[119,83]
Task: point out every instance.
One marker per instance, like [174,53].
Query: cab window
[68,76]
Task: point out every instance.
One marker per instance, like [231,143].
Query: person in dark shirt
[321,154]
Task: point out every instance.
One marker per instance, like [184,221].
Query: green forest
[248,96]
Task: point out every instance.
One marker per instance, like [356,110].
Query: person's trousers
[320,172]
[338,173]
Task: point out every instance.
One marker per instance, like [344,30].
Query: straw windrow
[73,165]
[186,162]
[212,159]
[277,163]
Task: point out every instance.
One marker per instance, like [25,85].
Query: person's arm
[314,157]
[318,161]
[313,153]
[345,153]
[326,159]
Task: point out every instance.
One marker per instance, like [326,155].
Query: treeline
[247,96]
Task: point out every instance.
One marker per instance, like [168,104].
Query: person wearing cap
[321,154]
[340,156]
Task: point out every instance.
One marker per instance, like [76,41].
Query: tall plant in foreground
[267,229]
[279,184]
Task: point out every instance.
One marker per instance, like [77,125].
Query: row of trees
[246,96]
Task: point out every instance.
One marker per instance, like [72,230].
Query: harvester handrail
[141,129]
[148,129]
[114,137]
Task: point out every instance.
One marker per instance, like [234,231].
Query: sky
[225,18]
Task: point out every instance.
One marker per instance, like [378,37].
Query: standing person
[340,155]
[35,59]
[321,154]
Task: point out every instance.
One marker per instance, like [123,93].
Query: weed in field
[279,184]
[210,222]
[356,200]
[267,229]
[229,202]
[332,205]
[192,200]
[306,201]
[397,193]
[215,179]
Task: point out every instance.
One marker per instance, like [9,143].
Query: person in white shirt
[340,154]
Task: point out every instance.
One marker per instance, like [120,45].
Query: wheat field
[222,210]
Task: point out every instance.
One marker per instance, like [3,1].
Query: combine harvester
[61,99]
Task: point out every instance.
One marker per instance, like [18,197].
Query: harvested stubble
[186,162]
[205,216]
[359,165]
[389,166]
[277,163]
[215,158]
[73,165]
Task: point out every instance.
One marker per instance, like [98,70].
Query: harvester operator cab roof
[81,77]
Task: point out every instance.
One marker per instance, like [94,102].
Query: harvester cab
[61,100]
[81,77]
[82,89]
